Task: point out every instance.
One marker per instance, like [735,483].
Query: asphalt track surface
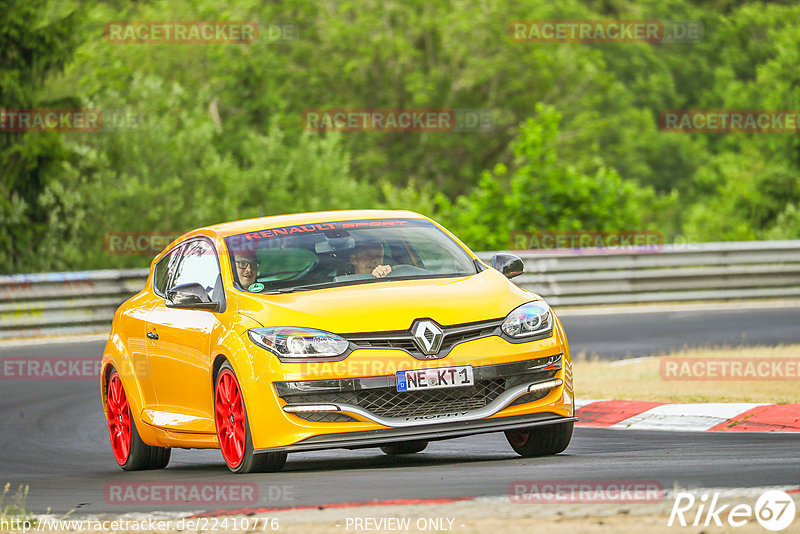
[643,333]
[53,437]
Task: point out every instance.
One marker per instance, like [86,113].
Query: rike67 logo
[774,510]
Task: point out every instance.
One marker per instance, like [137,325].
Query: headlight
[533,318]
[301,343]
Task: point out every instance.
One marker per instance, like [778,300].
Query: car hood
[389,305]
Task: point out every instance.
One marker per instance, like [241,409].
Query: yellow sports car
[342,329]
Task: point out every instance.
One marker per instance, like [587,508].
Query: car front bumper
[359,397]
[376,399]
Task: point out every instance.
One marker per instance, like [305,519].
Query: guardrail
[671,273]
[64,303]
[77,302]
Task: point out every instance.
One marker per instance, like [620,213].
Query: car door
[179,347]
[163,273]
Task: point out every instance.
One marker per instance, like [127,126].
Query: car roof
[274,221]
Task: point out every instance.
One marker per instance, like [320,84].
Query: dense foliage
[213,132]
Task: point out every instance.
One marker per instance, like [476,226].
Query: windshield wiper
[279,290]
[297,288]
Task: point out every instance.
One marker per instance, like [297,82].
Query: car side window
[198,264]
[164,271]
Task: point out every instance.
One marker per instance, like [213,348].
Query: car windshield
[312,256]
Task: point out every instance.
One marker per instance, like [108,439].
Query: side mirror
[508,264]
[191,296]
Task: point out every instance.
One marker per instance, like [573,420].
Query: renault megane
[326,330]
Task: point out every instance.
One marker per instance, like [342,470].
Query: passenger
[367,258]
[246,268]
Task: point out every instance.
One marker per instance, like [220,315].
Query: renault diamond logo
[428,336]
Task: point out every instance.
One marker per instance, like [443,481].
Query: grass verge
[13,507]
[641,378]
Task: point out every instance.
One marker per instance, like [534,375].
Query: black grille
[325,417]
[452,339]
[402,339]
[531,397]
[388,402]
[405,344]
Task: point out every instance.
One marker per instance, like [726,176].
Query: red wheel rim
[119,420]
[229,416]
[518,438]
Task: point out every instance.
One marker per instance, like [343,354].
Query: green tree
[169,171]
[33,48]
[541,192]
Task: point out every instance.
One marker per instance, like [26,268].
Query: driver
[246,268]
[367,258]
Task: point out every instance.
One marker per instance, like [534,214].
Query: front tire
[540,440]
[404,447]
[130,452]
[233,430]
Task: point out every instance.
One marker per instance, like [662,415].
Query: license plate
[438,377]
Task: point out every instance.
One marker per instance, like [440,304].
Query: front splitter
[430,432]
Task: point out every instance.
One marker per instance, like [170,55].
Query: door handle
[152,335]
